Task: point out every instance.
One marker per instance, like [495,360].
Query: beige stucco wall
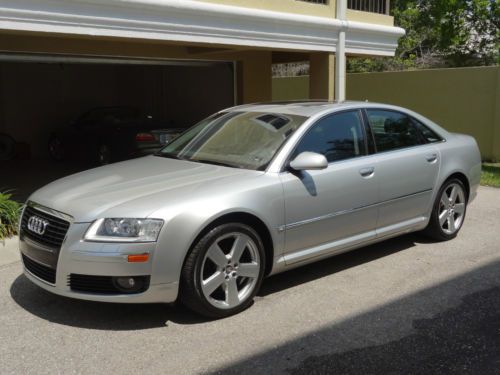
[254,82]
[291,88]
[311,9]
[321,80]
[463,100]
[290,6]
[368,17]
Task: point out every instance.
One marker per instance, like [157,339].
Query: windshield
[235,139]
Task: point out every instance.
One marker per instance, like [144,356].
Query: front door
[331,209]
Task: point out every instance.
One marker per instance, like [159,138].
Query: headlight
[124,230]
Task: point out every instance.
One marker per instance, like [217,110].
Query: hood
[123,189]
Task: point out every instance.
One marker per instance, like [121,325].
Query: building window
[373,6]
[316,1]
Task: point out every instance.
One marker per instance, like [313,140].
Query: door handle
[367,172]
[431,158]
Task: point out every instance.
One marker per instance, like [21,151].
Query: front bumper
[99,259]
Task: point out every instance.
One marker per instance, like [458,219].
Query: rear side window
[392,130]
[429,135]
[338,137]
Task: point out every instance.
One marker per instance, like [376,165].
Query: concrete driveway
[402,306]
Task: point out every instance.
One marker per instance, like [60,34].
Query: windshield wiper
[170,156]
[223,164]
[205,161]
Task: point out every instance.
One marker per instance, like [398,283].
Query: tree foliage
[441,33]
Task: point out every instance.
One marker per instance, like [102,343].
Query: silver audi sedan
[249,192]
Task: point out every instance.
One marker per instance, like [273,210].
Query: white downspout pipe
[340,59]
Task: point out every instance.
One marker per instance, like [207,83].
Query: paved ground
[9,251]
[402,306]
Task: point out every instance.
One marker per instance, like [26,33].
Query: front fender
[185,223]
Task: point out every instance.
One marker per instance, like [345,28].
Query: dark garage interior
[41,94]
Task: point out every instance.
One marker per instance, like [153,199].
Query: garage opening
[43,95]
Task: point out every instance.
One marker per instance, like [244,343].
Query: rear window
[392,130]
[429,135]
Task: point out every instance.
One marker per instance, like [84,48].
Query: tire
[448,212]
[216,282]
[56,148]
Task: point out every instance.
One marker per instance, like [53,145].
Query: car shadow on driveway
[97,315]
[452,327]
[119,317]
[339,263]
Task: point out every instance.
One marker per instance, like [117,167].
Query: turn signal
[138,258]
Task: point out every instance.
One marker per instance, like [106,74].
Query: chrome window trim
[278,164]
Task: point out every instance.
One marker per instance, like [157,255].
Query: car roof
[310,108]
[305,108]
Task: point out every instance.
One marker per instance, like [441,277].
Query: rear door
[407,167]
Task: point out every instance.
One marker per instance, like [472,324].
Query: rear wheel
[223,271]
[449,210]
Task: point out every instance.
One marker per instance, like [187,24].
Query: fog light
[129,284]
[126,282]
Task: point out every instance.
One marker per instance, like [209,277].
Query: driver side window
[338,137]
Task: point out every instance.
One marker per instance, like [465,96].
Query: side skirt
[313,254]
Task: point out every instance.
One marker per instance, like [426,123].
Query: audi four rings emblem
[37,225]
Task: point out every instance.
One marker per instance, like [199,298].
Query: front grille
[55,232]
[43,272]
[102,284]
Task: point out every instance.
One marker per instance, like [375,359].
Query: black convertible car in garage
[109,134]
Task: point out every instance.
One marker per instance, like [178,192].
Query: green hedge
[10,211]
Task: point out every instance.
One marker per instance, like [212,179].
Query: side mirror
[309,161]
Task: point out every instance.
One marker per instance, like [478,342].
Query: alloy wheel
[452,208]
[230,270]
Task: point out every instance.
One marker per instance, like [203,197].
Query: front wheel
[449,210]
[223,271]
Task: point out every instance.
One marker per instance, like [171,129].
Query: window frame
[317,2]
[285,166]
[421,137]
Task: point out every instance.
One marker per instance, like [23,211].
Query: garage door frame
[54,58]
